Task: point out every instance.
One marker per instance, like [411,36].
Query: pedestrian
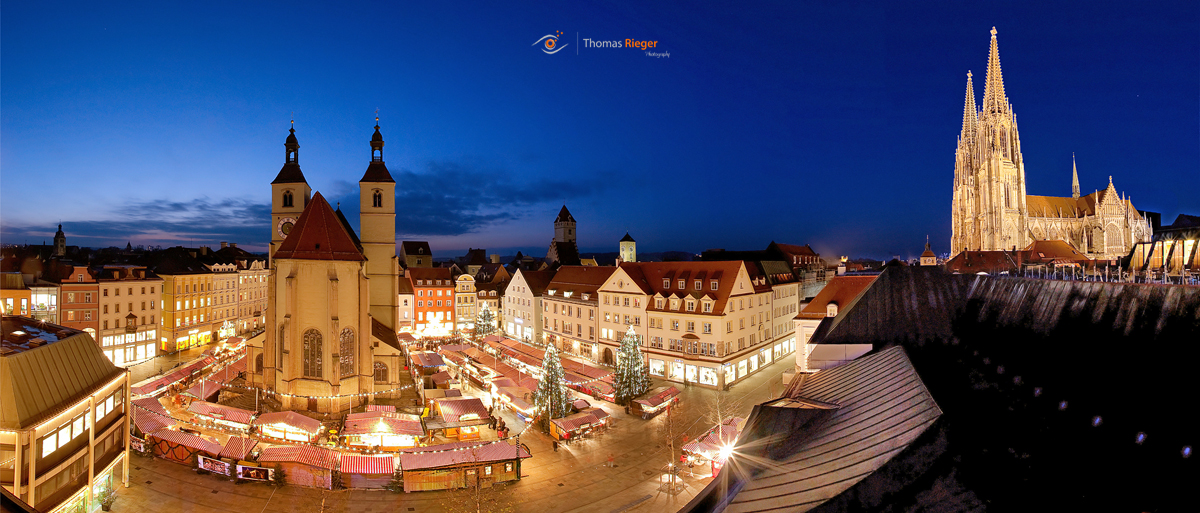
[555,442]
[610,460]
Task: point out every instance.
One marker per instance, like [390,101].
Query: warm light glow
[726,451]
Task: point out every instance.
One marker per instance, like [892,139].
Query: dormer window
[682,284]
[666,283]
[674,304]
[551,292]
[831,310]
[568,293]
[691,306]
[699,284]
[713,284]
[708,307]
[658,303]
[585,296]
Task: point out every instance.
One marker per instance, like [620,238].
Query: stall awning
[188,440]
[290,418]
[359,464]
[238,447]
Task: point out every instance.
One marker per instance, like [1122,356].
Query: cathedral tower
[60,243]
[289,193]
[989,207]
[377,225]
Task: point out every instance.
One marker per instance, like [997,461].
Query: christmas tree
[551,400]
[485,323]
[631,379]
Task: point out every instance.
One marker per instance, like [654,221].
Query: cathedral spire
[969,111]
[1074,178]
[994,99]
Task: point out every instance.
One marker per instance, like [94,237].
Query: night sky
[162,124]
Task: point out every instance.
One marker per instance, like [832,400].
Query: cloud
[446,199]
[451,198]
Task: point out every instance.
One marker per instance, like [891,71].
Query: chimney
[494,258]
[224,244]
[233,244]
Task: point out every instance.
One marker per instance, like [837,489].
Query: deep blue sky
[160,123]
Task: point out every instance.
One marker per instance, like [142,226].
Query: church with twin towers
[330,341]
[992,212]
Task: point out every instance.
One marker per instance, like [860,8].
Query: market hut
[460,465]
[288,425]
[149,416]
[360,471]
[238,448]
[460,417]
[382,429]
[182,447]
[305,465]
[221,414]
[654,401]
[576,425]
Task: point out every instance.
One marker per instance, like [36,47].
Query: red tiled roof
[291,418]
[148,422]
[222,412]
[204,389]
[840,290]
[649,276]
[238,447]
[319,235]
[445,455]
[359,464]
[188,440]
[580,279]
[306,454]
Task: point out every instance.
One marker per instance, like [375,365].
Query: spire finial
[1074,178]
[376,117]
[994,99]
[993,32]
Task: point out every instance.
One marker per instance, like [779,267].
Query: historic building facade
[990,209]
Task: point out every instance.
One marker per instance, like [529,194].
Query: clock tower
[289,193]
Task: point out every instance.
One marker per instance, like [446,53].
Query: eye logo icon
[549,43]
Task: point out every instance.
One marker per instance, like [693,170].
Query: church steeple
[994,99]
[969,112]
[1074,178]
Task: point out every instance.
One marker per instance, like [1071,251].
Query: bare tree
[672,430]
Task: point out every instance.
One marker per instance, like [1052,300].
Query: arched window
[378,199]
[381,372]
[287,198]
[312,354]
[346,351]
[258,364]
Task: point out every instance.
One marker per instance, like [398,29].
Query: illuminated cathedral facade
[991,210]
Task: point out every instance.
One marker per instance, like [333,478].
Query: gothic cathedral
[331,308]
[990,210]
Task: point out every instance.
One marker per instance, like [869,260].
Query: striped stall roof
[380,407]
[883,407]
[659,396]
[238,447]
[221,412]
[188,440]
[369,422]
[453,408]
[359,464]
[446,455]
[306,454]
[204,389]
[150,422]
[290,418]
[427,359]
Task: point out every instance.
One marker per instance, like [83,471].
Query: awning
[359,464]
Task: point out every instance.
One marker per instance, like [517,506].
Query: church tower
[989,204]
[377,225]
[289,193]
[60,243]
[564,226]
[1074,178]
[628,249]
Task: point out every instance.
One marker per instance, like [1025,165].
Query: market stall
[288,425]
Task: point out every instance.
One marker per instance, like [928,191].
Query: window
[674,325]
[287,195]
[658,303]
[420,303]
[312,353]
[666,283]
[487,471]
[420,293]
[346,351]
[707,307]
[691,306]
[708,327]
[508,467]
[104,292]
[377,199]
[87,297]
[699,284]
[691,326]
[626,300]
[682,284]
[151,290]
[105,308]
[87,316]
[729,327]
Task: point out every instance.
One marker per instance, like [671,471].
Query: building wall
[251,297]
[186,311]
[522,311]
[570,323]
[466,305]
[122,343]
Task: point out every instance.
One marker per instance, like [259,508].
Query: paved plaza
[577,478]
